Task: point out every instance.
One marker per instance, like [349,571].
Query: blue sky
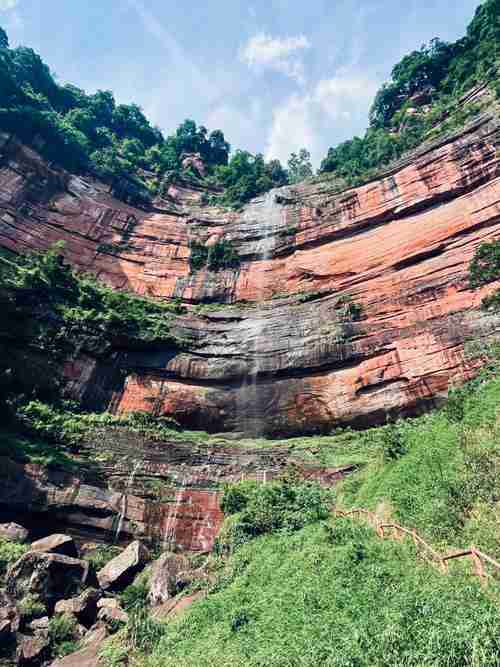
[274,75]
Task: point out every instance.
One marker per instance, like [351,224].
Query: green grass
[32,449]
[447,484]
[338,597]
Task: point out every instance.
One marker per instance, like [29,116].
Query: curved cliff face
[285,354]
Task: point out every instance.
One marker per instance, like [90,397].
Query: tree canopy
[425,87]
[116,142]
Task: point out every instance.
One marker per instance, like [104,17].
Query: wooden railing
[479,559]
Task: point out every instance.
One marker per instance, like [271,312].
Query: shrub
[10,552]
[30,606]
[255,509]
[62,634]
[102,555]
[222,255]
[485,265]
[135,596]
[144,631]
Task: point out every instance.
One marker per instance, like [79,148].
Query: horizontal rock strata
[282,355]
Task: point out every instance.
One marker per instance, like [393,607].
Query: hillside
[205,360]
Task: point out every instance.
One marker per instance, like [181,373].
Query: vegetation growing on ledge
[255,509]
[217,257]
[484,269]
[50,312]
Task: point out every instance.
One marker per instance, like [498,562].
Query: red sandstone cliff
[282,354]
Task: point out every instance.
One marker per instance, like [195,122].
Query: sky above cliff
[274,75]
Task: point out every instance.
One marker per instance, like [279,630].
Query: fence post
[478,564]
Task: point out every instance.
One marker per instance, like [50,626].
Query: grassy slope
[341,597]
[335,594]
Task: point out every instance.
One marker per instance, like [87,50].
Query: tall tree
[299,166]
[4,40]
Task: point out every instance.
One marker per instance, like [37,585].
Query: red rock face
[289,361]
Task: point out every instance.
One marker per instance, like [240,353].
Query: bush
[255,509]
[485,265]
[135,596]
[10,552]
[30,607]
[144,631]
[218,257]
[62,635]
[102,555]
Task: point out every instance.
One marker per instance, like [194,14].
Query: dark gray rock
[56,544]
[120,571]
[13,532]
[51,577]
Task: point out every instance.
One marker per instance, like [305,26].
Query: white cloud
[293,127]
[280,54]
[6,5]
[342,95]
[306,120]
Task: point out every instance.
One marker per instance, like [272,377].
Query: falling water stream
[123,509]
[266,214]
[169,537]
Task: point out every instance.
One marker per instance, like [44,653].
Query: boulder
[83,607]
[40,626]
[5,631]
[13,532]
[49,576]
[169,574]
[111,616]
[56,544]
[120,571]
[111,603]
[32,651]
[88,655]
[9,612]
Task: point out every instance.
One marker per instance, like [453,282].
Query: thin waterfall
[173,510]
[267,215]
[123,509]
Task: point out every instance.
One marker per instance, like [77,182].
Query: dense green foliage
[299,166]
[116,142]
[485,265]
[49,312]
[247,176]
[217,257]
[334,596]
[255,509]
[484,269]
[422,97]
[63,635]
[9,553]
